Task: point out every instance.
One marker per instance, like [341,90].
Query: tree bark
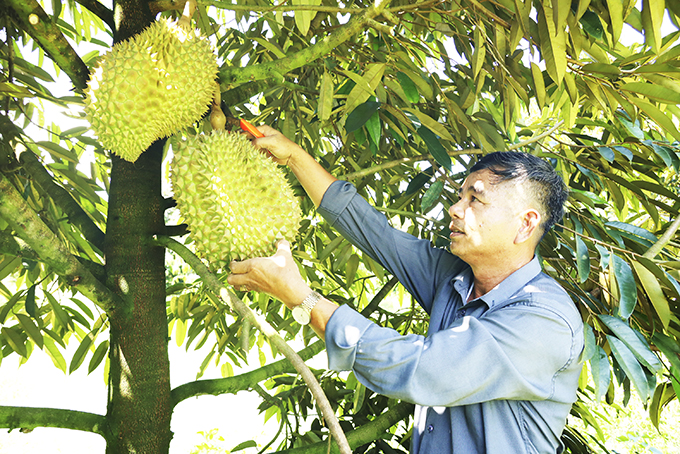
[139,408]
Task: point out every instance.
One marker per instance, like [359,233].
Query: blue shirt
[496,375]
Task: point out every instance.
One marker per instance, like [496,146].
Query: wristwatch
[302,313]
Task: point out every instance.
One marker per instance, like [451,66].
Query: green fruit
[149,87]
[235,200]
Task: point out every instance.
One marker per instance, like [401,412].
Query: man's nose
[456,210]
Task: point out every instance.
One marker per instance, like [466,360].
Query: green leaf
[654,292]
[658,116]
[669,347]
[374,128]
[410,89]
[430,123]
[633,229]
[303,18]
[624,151]
[360,115]
[31,329]
[615,8]
[15,341]
[326,96]
[607,153]
[244,445]
[419,181]
[81,352]
[590,343]
[431,195]
[351,269]
[54,354]
[630,366]
[600,369]
[435,147]
[591,25]
[652,18]
[59,312]
[653,92]
[637,346]
[553,45]
[99,355]
[29,304]
[625,280]
[582,260]
[539,84]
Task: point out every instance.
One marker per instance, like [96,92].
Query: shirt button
[460,313]
[430,429]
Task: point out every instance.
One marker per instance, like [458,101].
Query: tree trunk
[139,405]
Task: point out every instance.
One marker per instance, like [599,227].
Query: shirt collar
[508,287]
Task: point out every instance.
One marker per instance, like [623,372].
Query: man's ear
[530,225]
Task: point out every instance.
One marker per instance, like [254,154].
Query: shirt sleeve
[415,262]
[516,352]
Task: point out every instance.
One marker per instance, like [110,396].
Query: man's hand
[277,275]
[279,146]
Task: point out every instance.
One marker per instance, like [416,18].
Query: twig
[664,240]
[230,299]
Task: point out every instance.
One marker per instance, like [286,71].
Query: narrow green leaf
[326,97]
[539,84]
[431,195]
[630,366]
[607,153]
[625,280]
[669,347]
[654,92]
[15,341]
[633,229]
[57,151]
[358,398]
[600,369]
[31,329]
[624,151]
[658,116]
[615,8]
[29,304]
[590,343]
[360,115]
[582,260]
[54,354]
[627,335]
[419,181]
[374,128]
[553,44]
[61,315]
[80,353]
[652,18]
[410,89]
[99,355]
[654,292]
[591,25]
[244,445]
[431,123]
[435,147]
[351,269]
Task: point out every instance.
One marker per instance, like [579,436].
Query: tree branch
[30,228]
[99,10]
[229,298]
[232,385]
[275,69]
[75,213]
[28,418]
[38,24]
[362,435]
[664,240]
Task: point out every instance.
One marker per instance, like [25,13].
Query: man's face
[485,221]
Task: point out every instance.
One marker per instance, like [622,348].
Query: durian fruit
[149,87]
[235,200]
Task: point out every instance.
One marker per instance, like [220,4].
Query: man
[498,370]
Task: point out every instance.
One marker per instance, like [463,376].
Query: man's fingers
[282,245]
[241,267]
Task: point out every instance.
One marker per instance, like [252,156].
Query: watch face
[301,316]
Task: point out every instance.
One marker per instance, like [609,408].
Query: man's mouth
[455,231]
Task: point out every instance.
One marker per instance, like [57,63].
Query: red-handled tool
[247,127]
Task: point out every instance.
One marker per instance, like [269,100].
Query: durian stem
[217,118]
[189,8]
[231,300]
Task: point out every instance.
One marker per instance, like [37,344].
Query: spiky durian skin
[235,200]
[149,87]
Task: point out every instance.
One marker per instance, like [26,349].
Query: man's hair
[545,185]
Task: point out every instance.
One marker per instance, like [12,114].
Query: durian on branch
[230,299]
